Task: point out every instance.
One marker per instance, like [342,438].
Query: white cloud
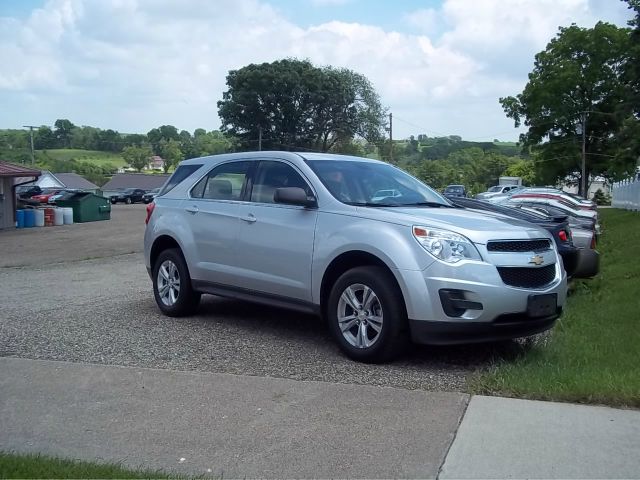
[426,20]
[135,65]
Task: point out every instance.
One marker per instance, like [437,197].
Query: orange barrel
[48,217]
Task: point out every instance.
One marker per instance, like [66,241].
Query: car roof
[267,154]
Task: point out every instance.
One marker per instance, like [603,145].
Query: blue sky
[439,65]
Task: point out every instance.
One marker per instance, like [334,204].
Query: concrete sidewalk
[226,425]
[509,438]
[238,426]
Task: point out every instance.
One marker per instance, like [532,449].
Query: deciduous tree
[292,105]
[576,80]
[137,157]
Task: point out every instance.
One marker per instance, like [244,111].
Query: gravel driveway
[102,311]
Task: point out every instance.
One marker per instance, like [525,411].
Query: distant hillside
[97,158]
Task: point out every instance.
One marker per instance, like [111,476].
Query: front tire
[367,316]
[172,285]
[128,201]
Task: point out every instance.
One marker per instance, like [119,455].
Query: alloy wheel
[168,283]
[360,315]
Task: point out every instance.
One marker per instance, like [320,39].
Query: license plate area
[542,305]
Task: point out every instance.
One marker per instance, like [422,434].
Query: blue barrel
[20,218]
[29,218]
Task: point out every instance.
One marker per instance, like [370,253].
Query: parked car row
[36,195]
[378,254]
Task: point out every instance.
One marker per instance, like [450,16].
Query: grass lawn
[90,156]
[593,354]
[42,466]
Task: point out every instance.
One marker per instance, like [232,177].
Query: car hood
[478,227]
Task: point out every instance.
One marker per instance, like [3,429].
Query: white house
[596,183]
[71,181]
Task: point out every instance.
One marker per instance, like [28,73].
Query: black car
[558,226]
[28,191]
[455,191]
[150,195]
[130,195]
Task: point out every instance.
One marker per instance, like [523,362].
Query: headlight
[445,245]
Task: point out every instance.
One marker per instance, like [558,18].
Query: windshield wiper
[369,204]
[427,204]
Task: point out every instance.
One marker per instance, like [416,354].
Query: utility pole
[259,138]
[391,137]
[33,155]
[583,177]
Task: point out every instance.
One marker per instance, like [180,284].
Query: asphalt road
[76,293]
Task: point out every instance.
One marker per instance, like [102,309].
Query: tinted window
[272,175]
[373,184]
[182,172]
[225,182]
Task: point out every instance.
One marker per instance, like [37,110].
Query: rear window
[182,172]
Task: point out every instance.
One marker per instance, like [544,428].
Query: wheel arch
[346,261]
[160,244]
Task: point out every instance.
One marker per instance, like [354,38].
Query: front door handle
[249,218]
[193,209]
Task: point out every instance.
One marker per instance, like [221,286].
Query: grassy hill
[94,157]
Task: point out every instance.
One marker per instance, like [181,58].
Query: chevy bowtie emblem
[537,260]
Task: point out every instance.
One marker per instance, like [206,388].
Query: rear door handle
[193,209]
[249,218]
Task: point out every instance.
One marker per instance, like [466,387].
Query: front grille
[519,245]
[525,277]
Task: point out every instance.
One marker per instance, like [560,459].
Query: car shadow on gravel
[251,318]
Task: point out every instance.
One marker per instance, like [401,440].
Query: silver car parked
[313,232]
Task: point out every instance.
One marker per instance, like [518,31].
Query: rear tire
[172,288]
[367,316]
[128,201]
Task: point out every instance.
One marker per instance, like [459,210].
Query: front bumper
[587,263]
[484,307]
[502,328]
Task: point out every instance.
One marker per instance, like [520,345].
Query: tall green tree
[44,138]
[63,129]
[137,157]
[292,104]
[166,132]
[170,153]
[629,136]
[576,80]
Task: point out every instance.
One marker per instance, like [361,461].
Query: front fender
[393,244]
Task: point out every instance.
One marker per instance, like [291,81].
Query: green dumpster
[87,207]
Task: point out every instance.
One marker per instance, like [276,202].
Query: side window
[182,172]
[225,182]
[271,175]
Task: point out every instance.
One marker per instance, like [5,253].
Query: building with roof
[12,175]
[120,181]
[70,181]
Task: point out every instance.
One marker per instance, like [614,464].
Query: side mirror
[294,196]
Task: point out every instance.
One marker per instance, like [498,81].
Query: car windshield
[454,189]
[495,189]
[374,184]
[130,190]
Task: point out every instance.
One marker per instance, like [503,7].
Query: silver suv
[378,254]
